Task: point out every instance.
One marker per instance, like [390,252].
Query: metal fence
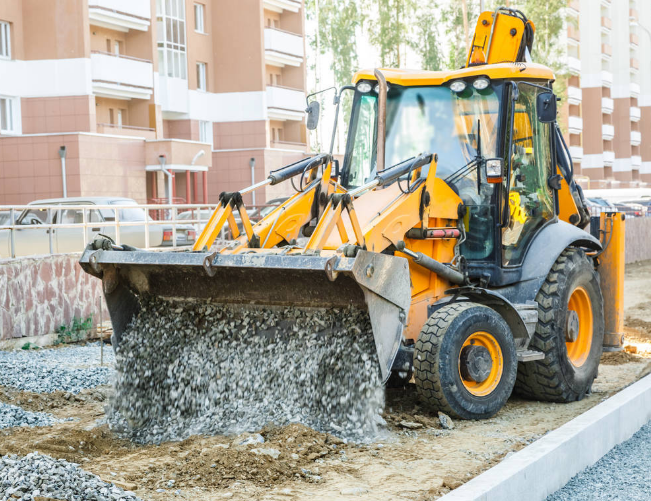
[10,230]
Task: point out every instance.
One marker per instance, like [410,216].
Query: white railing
[10,231]
[607,105]
[575,125]
[138,8]
[636,114]
[574,64]
[283,100]
[109,69]
[636,137]
[607,131]
[574,95]
[283,42]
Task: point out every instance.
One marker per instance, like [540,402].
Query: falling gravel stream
[187,367]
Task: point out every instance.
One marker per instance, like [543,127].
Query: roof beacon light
[364,87]
[458,86]
[481,83]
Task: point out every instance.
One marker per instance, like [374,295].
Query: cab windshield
[430,119]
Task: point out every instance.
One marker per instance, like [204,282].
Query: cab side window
[530,200]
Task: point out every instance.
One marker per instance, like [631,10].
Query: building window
[5,40]
[205,133]
[201,76]
[9,115]
[198,18]
[172,47]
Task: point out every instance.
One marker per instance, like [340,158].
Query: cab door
[530,202]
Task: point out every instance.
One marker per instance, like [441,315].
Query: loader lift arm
[228,202]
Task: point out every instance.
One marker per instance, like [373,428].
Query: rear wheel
[570,332]
[465,361]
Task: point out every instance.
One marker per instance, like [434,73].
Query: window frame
[202,76]
[5,40]
[172,42]
[12,111]
[199,18]
[205,128]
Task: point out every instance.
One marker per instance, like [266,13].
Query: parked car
[644,202]
[631,209]
[599,205]
[202,215]
[33,241]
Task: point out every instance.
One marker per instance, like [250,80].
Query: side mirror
[546,105]
[494,170]
[312,111]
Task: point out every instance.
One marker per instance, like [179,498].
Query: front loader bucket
[378,283]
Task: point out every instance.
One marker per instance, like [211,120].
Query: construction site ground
[415,459]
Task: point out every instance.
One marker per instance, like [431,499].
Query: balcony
[121,77]
[573,8]
[284,103]
[575,125]
[633,15]
[289,145]
[636,114]
[576,152]
[636,138]
[574,95]
[636,161]
[282,5]
[282,48]
[606,78]
[126,130]
[606,25]
[635,40]
[635,64]
[635,90]
[607,105]
[607,132]
[120,15]
[606,50]
[609,158]
[574,64]
[573,34]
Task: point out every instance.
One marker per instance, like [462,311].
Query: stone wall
[638,239]
[39,294]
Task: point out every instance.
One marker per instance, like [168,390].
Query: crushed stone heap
[188,367]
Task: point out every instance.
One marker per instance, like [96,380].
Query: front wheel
[570,332]
[465,361]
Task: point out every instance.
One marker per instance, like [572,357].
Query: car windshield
[423,120]
[133,214]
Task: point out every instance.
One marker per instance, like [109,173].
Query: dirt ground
[419,463]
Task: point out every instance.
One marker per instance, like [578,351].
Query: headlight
[458,86]
[481,83]
[364,87]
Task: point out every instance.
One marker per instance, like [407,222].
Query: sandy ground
[418,464]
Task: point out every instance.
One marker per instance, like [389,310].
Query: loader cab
[463,120]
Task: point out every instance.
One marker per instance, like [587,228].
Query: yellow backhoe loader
[454,220]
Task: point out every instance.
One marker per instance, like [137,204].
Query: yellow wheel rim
[489,342]
[579,349]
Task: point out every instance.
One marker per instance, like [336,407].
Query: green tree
[389,28]
[459,29]
[425,39]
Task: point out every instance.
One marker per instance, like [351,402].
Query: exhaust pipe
[381,118]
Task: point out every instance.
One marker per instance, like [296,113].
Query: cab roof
[516,71]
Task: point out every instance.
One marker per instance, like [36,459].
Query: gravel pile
[67,369]
[12,416]
[621,475]
[187,367]
[25,478]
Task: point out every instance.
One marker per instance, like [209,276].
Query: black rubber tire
[436,360]
[555,378]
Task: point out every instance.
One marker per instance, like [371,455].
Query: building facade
[213,89]
[608,110]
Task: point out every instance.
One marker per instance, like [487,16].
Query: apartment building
[608,110]
[212,89]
